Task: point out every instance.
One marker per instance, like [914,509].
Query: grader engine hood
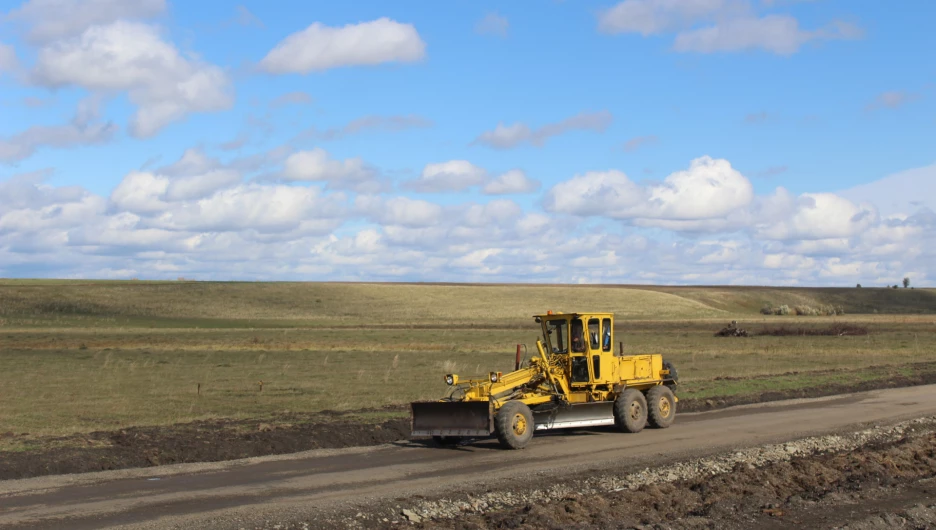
[452,418]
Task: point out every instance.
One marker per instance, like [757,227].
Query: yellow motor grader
[574,379]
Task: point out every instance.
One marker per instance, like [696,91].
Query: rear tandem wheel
[662,407]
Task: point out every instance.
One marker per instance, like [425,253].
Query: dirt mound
[834,330]
[803,490]
[203,441]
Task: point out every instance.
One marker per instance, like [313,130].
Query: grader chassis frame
[574,381]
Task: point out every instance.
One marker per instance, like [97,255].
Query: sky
[748,142]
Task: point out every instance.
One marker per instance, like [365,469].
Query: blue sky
[697,141]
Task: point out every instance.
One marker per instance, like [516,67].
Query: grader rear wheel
[630,411]
[513,425]
[662,407]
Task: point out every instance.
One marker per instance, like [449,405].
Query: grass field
[83,356]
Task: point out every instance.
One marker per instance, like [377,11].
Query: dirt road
[246,493]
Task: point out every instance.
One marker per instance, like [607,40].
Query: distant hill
[288,304]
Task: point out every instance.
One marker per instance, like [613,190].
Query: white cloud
[401,211]
[50,20]
[193,161]
[510,136]
[198,186]
[649,17]
[904,192]
[263,208]
[493,24]
[317,166]
[141,192]
[454,175]
[778,34]
[320,47]
[82,130]
[821,216]
[203,222]
[732,25]
[513,181]
[709,189]
[369,123]
[127,56]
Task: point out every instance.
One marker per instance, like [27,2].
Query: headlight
[451,379]
[495,376]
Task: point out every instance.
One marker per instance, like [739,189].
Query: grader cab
[574,379]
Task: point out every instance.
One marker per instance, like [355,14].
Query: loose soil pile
[202,441]
[877,486]
[835,330]
[217,440]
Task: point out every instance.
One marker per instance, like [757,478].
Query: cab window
[594,334]
[606,334]
[578,338]
[557,336]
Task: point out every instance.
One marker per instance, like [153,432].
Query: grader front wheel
[513,425]
[630,411]
[662,407]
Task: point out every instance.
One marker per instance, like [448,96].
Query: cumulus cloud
[317,165]
[399,211]
[513,181]
[821,216]
[129,56]
[709,189]
[142,192]
[50,20]
[514,135]
[493,24]
[320,47]
[83,129]
[193,218]
[262,208]
[454,175]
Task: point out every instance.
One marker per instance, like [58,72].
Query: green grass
[83,356]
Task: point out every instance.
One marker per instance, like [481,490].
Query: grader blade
[452,418]
[577,415]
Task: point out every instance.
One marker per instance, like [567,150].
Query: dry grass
[107,355]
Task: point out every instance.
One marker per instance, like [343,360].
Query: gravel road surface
[323,487]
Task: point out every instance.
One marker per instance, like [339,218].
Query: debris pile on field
[835,330]
[731,330]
